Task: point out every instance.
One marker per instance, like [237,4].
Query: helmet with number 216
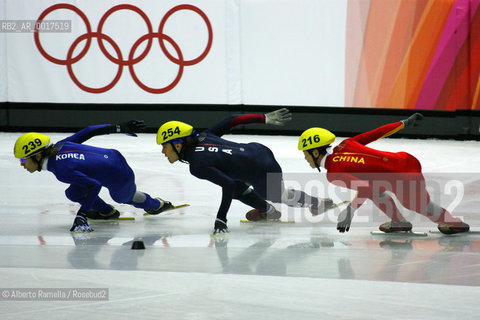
[29,144]
[173,130]
[315,138]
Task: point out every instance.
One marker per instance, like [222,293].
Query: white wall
[293,52]
[263,52]
[3,59]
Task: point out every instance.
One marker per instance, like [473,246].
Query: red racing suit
[373,172]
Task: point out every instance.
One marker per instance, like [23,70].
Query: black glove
[413,120]
[345,219]
[278,117]
[132,126]
[220,226]
[80,223]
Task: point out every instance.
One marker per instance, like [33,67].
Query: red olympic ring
[180,65]
[100,27]
[210,34]
[69,61]
[37,37]
[89,36]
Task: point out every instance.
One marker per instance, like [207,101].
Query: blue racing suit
[87,169]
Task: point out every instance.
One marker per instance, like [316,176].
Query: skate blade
[456,234]
[172,208]
[116,219]
[399,234]
[267,221]
[126,218]
[336,205]
[333,206]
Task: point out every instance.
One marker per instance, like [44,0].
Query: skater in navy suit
[240,169]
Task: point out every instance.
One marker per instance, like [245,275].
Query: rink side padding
[459,124]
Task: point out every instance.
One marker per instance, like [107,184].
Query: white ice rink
[304,270]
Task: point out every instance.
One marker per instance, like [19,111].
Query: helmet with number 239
[29,144]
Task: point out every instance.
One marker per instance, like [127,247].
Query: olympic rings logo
[131,61]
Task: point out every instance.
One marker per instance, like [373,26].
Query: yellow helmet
[314,138]
[29,144]
[172,130]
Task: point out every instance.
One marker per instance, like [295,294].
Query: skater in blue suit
[87,169]
[246,172]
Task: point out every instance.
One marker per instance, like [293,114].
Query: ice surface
[304,270]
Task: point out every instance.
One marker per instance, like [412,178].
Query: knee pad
[242,189]
[434,209]
[139,197]
[248,190]
[383,195]
[296,198]
[291,195]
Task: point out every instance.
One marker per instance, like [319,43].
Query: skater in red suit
[377,175]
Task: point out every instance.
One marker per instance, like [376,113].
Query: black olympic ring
[131,60]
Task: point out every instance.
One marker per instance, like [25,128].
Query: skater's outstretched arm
[129,128]
[388,129]
[277,117]
[379,133]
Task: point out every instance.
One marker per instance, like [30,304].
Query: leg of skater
[262,209]
[100,209]
[272,187]
[124,190]
[416,198]
[388,206]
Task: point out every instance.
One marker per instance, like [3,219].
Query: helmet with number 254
[173,130]
[29,144]
[315,138]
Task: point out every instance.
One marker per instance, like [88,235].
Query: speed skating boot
[97,215]
[453,227]
[164,205]
[270,214]
[394,226]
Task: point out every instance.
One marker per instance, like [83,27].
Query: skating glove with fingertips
[278,117]
[345,219]
[413,120]
[130,127]
[220,227]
